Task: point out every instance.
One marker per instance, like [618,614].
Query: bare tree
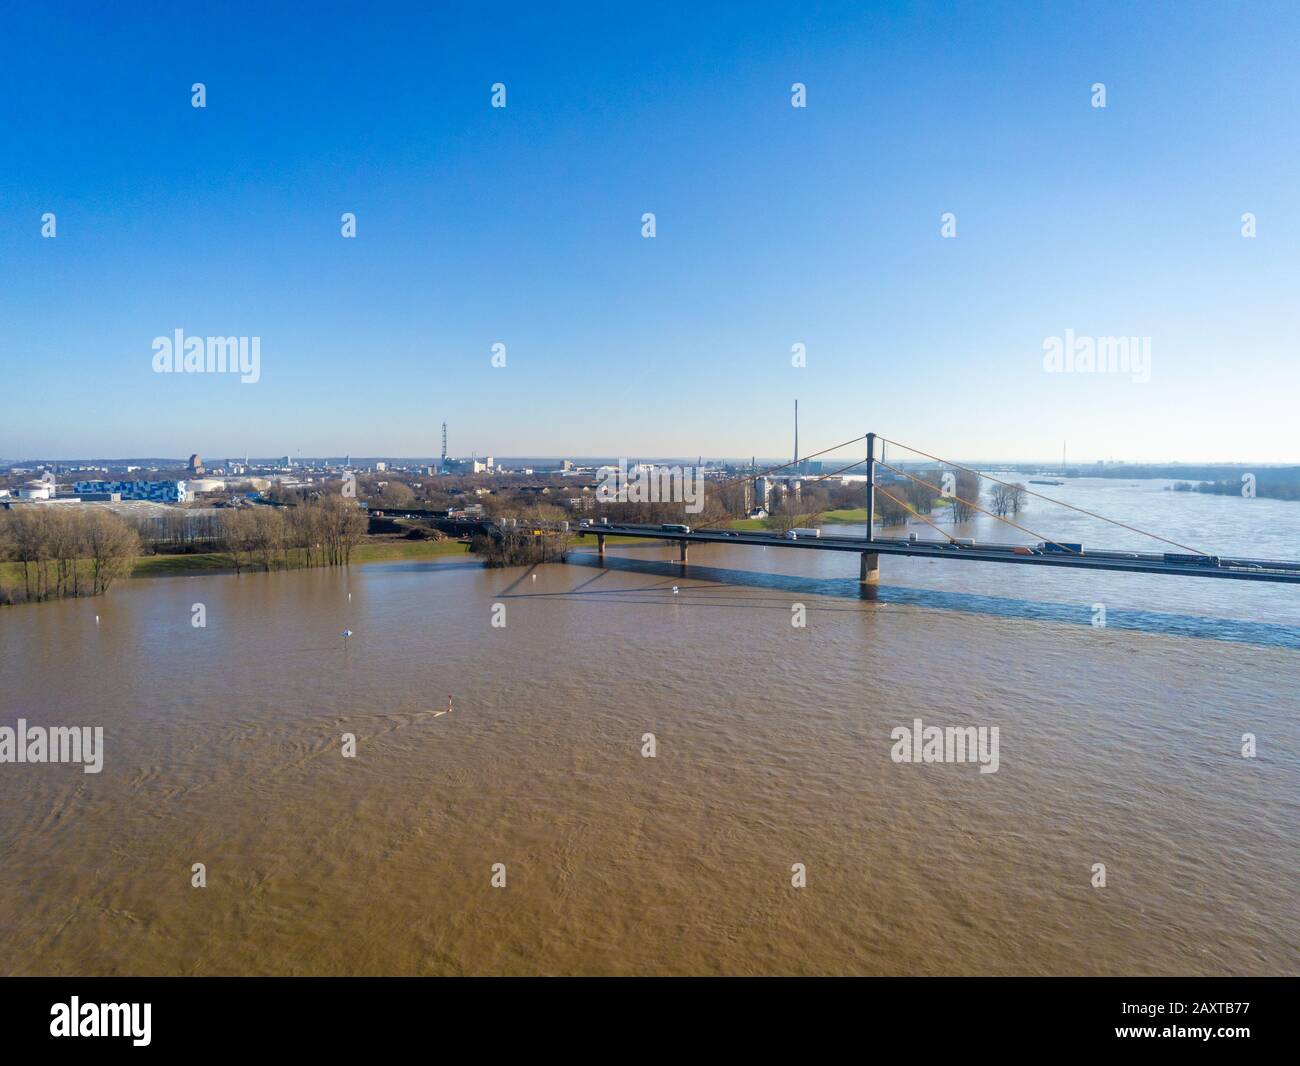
[42,537]
[793,513]
[238,535]
[62,539]
[114,547]
[396,494]
[1000,499]
[267,535]
[31,550]
[916,490]
[1007,499]
[889,508]
[966,493]
[1019,497]
[343,526]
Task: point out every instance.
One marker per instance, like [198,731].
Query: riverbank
[848,516]
[373,550]
[196,563]
[376,551]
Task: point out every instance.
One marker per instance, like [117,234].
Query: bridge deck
[1131,562]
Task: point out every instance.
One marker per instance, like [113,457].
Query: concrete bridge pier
[683,558]
[600,544]
[870,572]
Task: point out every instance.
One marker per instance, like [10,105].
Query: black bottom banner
[150,1015]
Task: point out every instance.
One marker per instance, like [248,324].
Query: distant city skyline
[1167,219]
[988,462]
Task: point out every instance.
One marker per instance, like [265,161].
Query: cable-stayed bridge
[1185,561]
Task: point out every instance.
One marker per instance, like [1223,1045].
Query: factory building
[154,491]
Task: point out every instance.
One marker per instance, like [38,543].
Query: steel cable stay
[1049,499]
[774,469]
[1196,564]
[783,466]
[924,518]
[921,481]
[968,503]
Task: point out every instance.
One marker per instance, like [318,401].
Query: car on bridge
[675,527]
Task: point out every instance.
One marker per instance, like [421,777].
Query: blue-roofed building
[153,491]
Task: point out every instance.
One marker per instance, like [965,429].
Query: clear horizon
[577,457]
[776,226]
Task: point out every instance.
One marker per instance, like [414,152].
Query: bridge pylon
[871,485]
[869,574]
[870,571]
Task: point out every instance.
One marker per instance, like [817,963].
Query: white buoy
[674,590]
[96,619]
[349,597]
[347,632]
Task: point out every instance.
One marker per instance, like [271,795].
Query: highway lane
[1133,562]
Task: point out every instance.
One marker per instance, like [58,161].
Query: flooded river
[1119,745]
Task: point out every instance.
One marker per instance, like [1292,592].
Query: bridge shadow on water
[1231,630]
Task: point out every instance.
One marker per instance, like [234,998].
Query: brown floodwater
[1118,745]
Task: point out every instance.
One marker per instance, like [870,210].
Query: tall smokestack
[796,431]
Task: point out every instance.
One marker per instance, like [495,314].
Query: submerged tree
[965,495]
[56,545]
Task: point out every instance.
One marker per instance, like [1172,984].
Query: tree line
[52,552]
[958,491]
[1266,485]
[321,532]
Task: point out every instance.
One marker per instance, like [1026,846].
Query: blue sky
[775,226]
